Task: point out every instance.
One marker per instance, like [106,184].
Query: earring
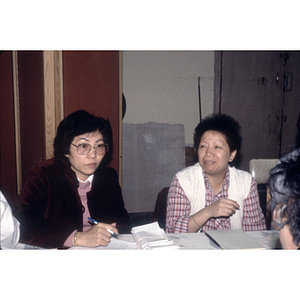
[230,158]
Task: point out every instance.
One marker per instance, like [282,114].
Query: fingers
[224,208]
[113,228]
[108,229]
[99,235]
[230,207]
[232,202]
[93,237]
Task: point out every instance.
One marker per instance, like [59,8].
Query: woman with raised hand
[212,195]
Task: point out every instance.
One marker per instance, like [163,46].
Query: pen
[110,231]
[213,240]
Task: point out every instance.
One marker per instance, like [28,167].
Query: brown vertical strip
[49,102]
[58,82]
[53,97]
[17,120]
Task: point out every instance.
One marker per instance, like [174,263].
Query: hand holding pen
[97,235]
[109,230]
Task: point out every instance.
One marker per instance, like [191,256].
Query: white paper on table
[234,239]
[151,236]
[114,244]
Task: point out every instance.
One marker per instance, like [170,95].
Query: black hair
[289,170]
[77,123]
[224,124]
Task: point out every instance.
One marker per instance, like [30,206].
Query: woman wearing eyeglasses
[62,193]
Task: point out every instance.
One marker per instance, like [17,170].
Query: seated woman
[285,182]
[210,195]
[62,193]
[9,225]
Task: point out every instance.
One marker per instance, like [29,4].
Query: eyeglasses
[84,148]
[279,212]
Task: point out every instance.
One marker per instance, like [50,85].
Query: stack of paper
[151,236]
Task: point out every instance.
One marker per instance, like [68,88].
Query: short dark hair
[289,170]
[77,123]
[224,124]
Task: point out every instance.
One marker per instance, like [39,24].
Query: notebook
[233,239]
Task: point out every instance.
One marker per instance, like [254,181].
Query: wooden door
[31,94]
[251,86]
[91,82]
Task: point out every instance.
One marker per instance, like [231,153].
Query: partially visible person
[279,192]
[211,195]
[9,225]
[284,189]
[286,214]
[62,193]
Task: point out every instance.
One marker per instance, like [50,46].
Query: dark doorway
[260,89]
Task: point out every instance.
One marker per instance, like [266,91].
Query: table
[269,239]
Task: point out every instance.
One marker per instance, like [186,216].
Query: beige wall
[162,87]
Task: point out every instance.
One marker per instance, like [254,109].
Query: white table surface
[269,239]
[186,241]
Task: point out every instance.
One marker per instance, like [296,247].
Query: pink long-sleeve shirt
[83,189]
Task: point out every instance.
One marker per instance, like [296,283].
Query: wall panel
[8,184]
[91,82]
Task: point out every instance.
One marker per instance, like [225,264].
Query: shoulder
[241,183]
[189,170]
[240,173]
[106,178]
[240,179]
[191,178]
[3,203]
[47,167]
[50,172]
[106,172]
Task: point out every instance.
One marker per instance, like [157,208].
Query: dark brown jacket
[51,208]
